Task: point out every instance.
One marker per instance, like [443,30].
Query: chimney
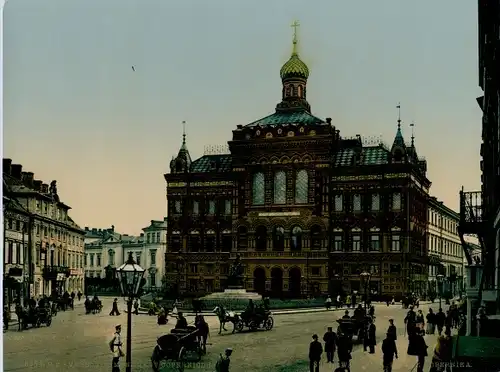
[86,228]
[112,228]
[329,120]
[28,179]
[6,166]
[16,171]
[142,235]
[45,188]
[94,230]
[37,185]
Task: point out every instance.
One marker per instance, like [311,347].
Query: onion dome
[294,67]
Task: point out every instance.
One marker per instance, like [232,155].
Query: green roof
[373,155]
[288,117]
[212,163]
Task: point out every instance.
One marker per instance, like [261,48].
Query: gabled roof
[212,163]
[300,117]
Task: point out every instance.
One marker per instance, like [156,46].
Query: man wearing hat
[223,362]
[315,351]
[116,348]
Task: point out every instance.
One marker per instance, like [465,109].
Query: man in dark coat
[440,320]
[315,351]
[370,340]
[114,309]
[181,321]
[417,347]
[392,330]
[330,339]
[344,349]
[410,321]
[389,351]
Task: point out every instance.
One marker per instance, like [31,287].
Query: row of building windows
[94,259]
[14,225]
[442,246]
[443,222]
[58,257]
[153,237]
[211,207]
[14,254]
[51,210]
[59,234]
[375,202]
[301,187]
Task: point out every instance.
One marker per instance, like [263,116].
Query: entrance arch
[294,277]
[276,281]
[259,280]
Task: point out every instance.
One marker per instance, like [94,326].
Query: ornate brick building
[306,209]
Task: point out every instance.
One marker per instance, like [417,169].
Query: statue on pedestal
[235,277]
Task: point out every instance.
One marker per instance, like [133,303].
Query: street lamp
[440,278]
[130,276]
[365,279]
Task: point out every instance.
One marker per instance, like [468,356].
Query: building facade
[480,210]
[445,249]
[53,256]
[306,210]
[105,250]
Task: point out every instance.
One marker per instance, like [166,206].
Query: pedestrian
[114,310]
[418,348]
[440,319]
[338,303]
[353,300]
[370,340]
[410,320]
[79,296]
[392,330]
[348,301]
[344,349]
[389,351]
[480,319]
[115,346]
[431,322]
[315,351]
[328,303]
[222,364]
[420,319]
[330,339]
[448,323]
[136,307]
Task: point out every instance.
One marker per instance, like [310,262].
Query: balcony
[56,272]
[472,216]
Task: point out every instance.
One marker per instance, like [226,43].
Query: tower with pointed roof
[181,163]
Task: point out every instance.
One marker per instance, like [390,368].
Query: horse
[224,317]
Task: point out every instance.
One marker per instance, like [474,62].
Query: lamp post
[130,276]
[440,278]
[365,279]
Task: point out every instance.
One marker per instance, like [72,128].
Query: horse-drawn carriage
[34,316]
[94,306]
[180,345]
[259,319]
[354,327]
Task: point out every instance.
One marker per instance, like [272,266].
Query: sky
[75,112]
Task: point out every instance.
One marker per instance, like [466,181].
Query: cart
[180,345]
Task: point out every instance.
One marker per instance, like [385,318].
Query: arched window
[261,238]
[194,243]
[301,186]
[280,187]
[278,238]
[242,237]
[316,237]
[296,239]
[299,91]
[258,189]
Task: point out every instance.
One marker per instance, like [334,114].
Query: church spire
[412,125]
[399,140]
[183,160]
[184,135]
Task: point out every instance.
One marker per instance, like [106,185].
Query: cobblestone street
[78,342]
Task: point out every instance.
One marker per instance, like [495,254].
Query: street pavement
[79,342]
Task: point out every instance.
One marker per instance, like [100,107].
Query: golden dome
[294,67]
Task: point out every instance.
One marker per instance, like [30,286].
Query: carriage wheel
[181,358]
[239,325]
[253,325]
[269,323]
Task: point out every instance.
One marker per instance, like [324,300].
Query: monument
[235,285]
